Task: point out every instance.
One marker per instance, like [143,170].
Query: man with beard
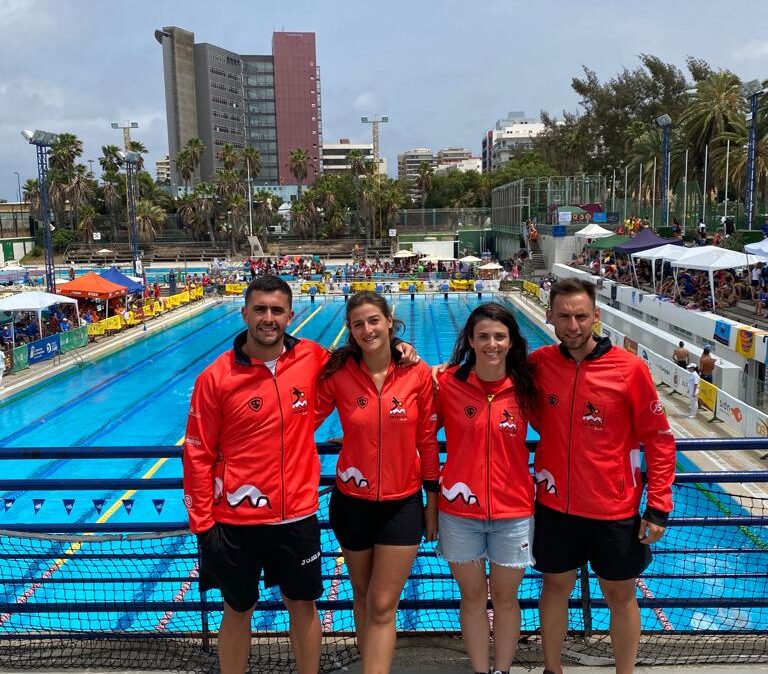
[597,403]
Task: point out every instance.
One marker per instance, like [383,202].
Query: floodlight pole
[665,122]
[374,122]
[751,151]
[42,177]
[130,169]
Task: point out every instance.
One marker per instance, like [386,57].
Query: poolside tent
[711,261]
[34,301]
[608,242]
[669,251]
[114,275]
[646,239]
[759,248]
[593,231]
[92,286]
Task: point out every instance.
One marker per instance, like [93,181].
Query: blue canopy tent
[114,275]
[645,240]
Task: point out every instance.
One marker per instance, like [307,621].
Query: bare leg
[391,566]
[625,622]
[305,634]
[473,585]
[234,640]
[553,613]
[360,565]
[505,583]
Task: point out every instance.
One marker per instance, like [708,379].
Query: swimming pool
[140,396]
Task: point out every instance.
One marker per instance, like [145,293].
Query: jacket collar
[396,354]
[602,347]
[241,358]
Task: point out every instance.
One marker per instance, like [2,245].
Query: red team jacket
[390,443]
[486,474]
[249,453]
[592,417]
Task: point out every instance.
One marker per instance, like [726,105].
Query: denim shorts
[504,542]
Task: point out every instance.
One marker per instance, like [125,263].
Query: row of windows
[261,93]
[223,87]
[264,79]
[220,142]
[261,121]
[226,115]
[258,67]
[224,101]
[262,134]
[226,129]
[262,107]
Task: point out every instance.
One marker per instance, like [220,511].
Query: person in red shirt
[486,494]
[597,404]
[389,453]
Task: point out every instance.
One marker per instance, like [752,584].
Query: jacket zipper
[488,457]
[282,447]
[570,437]
[378,446]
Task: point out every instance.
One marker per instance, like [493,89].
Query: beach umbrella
[404,253]
[470,259]
[491,265]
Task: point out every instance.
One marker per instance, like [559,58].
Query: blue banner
[43,349]
[723,332]
[600,216]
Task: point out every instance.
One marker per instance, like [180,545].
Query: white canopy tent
[593,231]
[404,253]
[760,248]
[711,259]
[34,301]
[666,252]
[470,259]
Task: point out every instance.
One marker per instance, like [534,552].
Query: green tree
[30,193]
[424,177]
[150,219]
[229,155]
[298,165]
[185,166]
[86,218]
[110,160]
[196,149]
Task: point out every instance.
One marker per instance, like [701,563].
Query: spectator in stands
[677,230]
[761,301]
[6,336]
[2,366]
[764,228]
[756,278]
[65,325]
[706,365]
[156,290]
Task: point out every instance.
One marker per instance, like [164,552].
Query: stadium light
[752,91]
[665,122]
[43,141]
[132,160]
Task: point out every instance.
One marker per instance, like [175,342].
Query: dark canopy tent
[608,242]
[116,276]
[645,239]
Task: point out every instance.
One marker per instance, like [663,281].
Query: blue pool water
[140,396]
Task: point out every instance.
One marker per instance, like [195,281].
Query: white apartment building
[335,158]
[511,134]
[163,170]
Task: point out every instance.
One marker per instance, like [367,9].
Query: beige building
[336,156]
[163,170]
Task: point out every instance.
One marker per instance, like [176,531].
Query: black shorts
[359,524]
[232,557]
[564,542]
[681,363]
[707,377]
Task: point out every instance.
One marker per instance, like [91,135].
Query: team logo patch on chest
[470,411]
[255,404]
[298,400]
[397,411]
[591,416]
[507,423]
[552,400]
[362,402]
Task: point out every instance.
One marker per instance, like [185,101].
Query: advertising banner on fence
[723,332]
[73,339]
[20,361]
[43,349]
[755,423]
[664,371]
[708,395]
[745,343]
[730,411]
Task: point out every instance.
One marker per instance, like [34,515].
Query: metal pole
[665,175]
[704,187]
[653,196]
[613,192]
[42,174]
[250,199]
[18,184]
[727,164]
[640,191]
[751,151]
[129,174]
[626,178]
[685,191]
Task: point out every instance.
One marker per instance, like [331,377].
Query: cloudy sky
[443,70]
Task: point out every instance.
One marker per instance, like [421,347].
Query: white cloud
[365,102]
[756,50]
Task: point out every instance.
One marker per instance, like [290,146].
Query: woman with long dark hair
[389,454]
[486,493]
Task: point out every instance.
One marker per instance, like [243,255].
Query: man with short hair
[693,390]
[706,365]
[597,404]
[251,476]
[681,355]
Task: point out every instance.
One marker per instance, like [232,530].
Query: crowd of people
[251,473]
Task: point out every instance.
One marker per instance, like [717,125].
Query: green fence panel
[74,339]
[20,358]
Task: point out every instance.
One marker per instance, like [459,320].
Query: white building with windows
[510,135]
[336,156]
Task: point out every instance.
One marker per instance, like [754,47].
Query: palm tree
[264,205]
[81,187]
[185,166]
[299,218]
[298,165]
[229,156]
[252,161]
[424,177]
[113,202]
[138,147]
[65,151]
[196,148]
[110,161]
[203,197]
[236,209]
[185,211]
[149,220]
[57,193]
[31,195]
[86,217]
